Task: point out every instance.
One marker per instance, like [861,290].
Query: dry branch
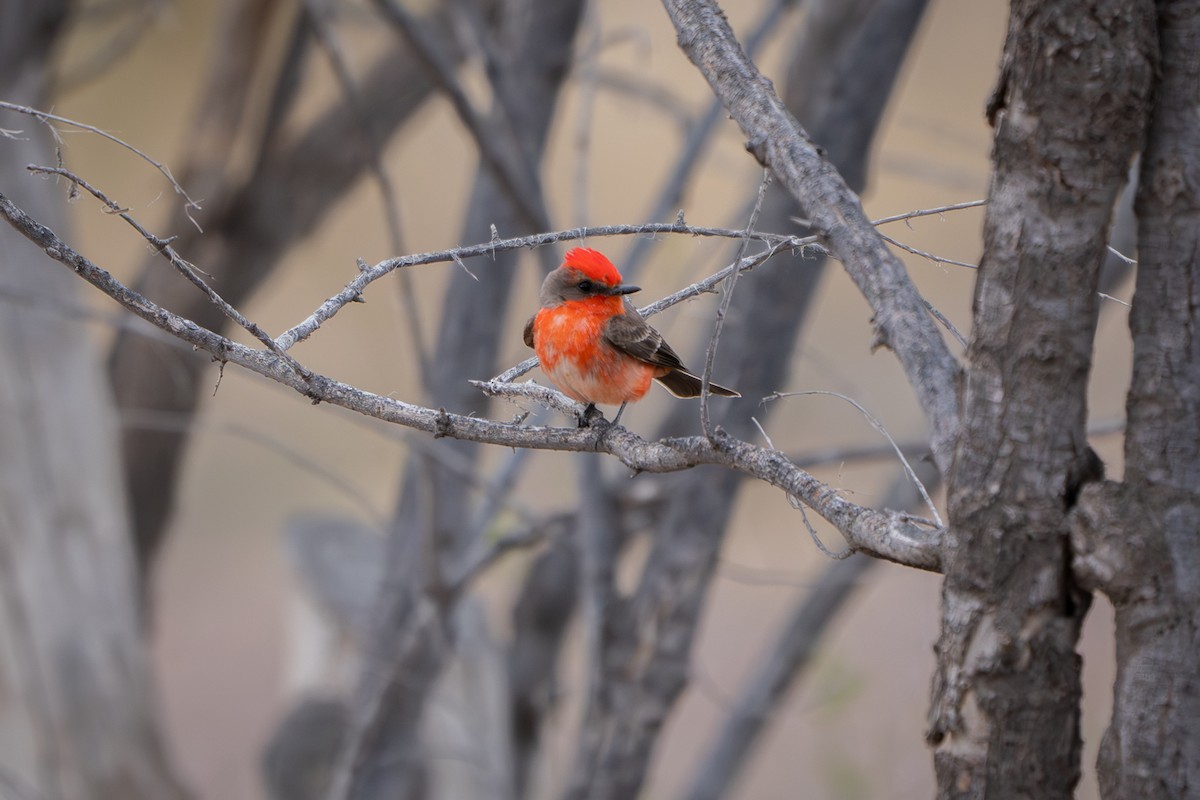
[893,536]
[779,143]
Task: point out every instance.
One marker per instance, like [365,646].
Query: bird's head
[584,273]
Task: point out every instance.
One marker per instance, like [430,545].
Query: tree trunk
[1069,112]
[1139,542]
[77,713]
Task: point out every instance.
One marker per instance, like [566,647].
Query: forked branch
[776,139]
[889,535]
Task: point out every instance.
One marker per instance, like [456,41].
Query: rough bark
[1139,541]
[77,706]
[1069,113]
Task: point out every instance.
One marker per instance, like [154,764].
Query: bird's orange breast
[569,342]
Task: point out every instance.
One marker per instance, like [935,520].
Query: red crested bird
[592,343]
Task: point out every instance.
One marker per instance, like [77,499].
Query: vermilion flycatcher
[593,344]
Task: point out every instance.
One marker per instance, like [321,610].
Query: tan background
[225,598]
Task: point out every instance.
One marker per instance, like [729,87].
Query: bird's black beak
[625,288]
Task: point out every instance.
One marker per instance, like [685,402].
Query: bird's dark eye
[585,286]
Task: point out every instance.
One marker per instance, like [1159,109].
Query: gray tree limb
[777,140]
[890,535]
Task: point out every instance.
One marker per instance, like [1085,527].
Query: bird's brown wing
[528,335]
[632,335]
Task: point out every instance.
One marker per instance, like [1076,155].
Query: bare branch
[777,242]
[163,247]
[46,118]
[877,425]
[929,212]
[354,288]
[930,256]
[777,141]
[889,535]
[723,309]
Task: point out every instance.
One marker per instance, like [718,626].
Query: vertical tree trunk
[1069,112]
[1140,541]
[77,713]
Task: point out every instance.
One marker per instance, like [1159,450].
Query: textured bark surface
[1069,113]
[77,707]
[1139,541]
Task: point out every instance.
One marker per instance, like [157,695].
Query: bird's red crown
[595,265]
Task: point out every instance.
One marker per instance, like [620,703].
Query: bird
[592,343]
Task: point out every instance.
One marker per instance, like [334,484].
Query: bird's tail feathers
[684,384]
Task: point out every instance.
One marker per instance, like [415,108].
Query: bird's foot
[590,415]
[620,411]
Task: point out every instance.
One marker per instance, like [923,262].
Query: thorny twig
[319,14]
[163,247]
[354,289]
[46,118]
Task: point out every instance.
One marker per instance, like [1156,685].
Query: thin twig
[710,354]
[327,38]
[877,425]
[45,118]
[929,212]
[1132,262]
[163,247]
[364,278]
[838,555]
[923,254]
[1114,299]
[945,322]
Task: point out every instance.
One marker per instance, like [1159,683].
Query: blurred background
[236,636]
